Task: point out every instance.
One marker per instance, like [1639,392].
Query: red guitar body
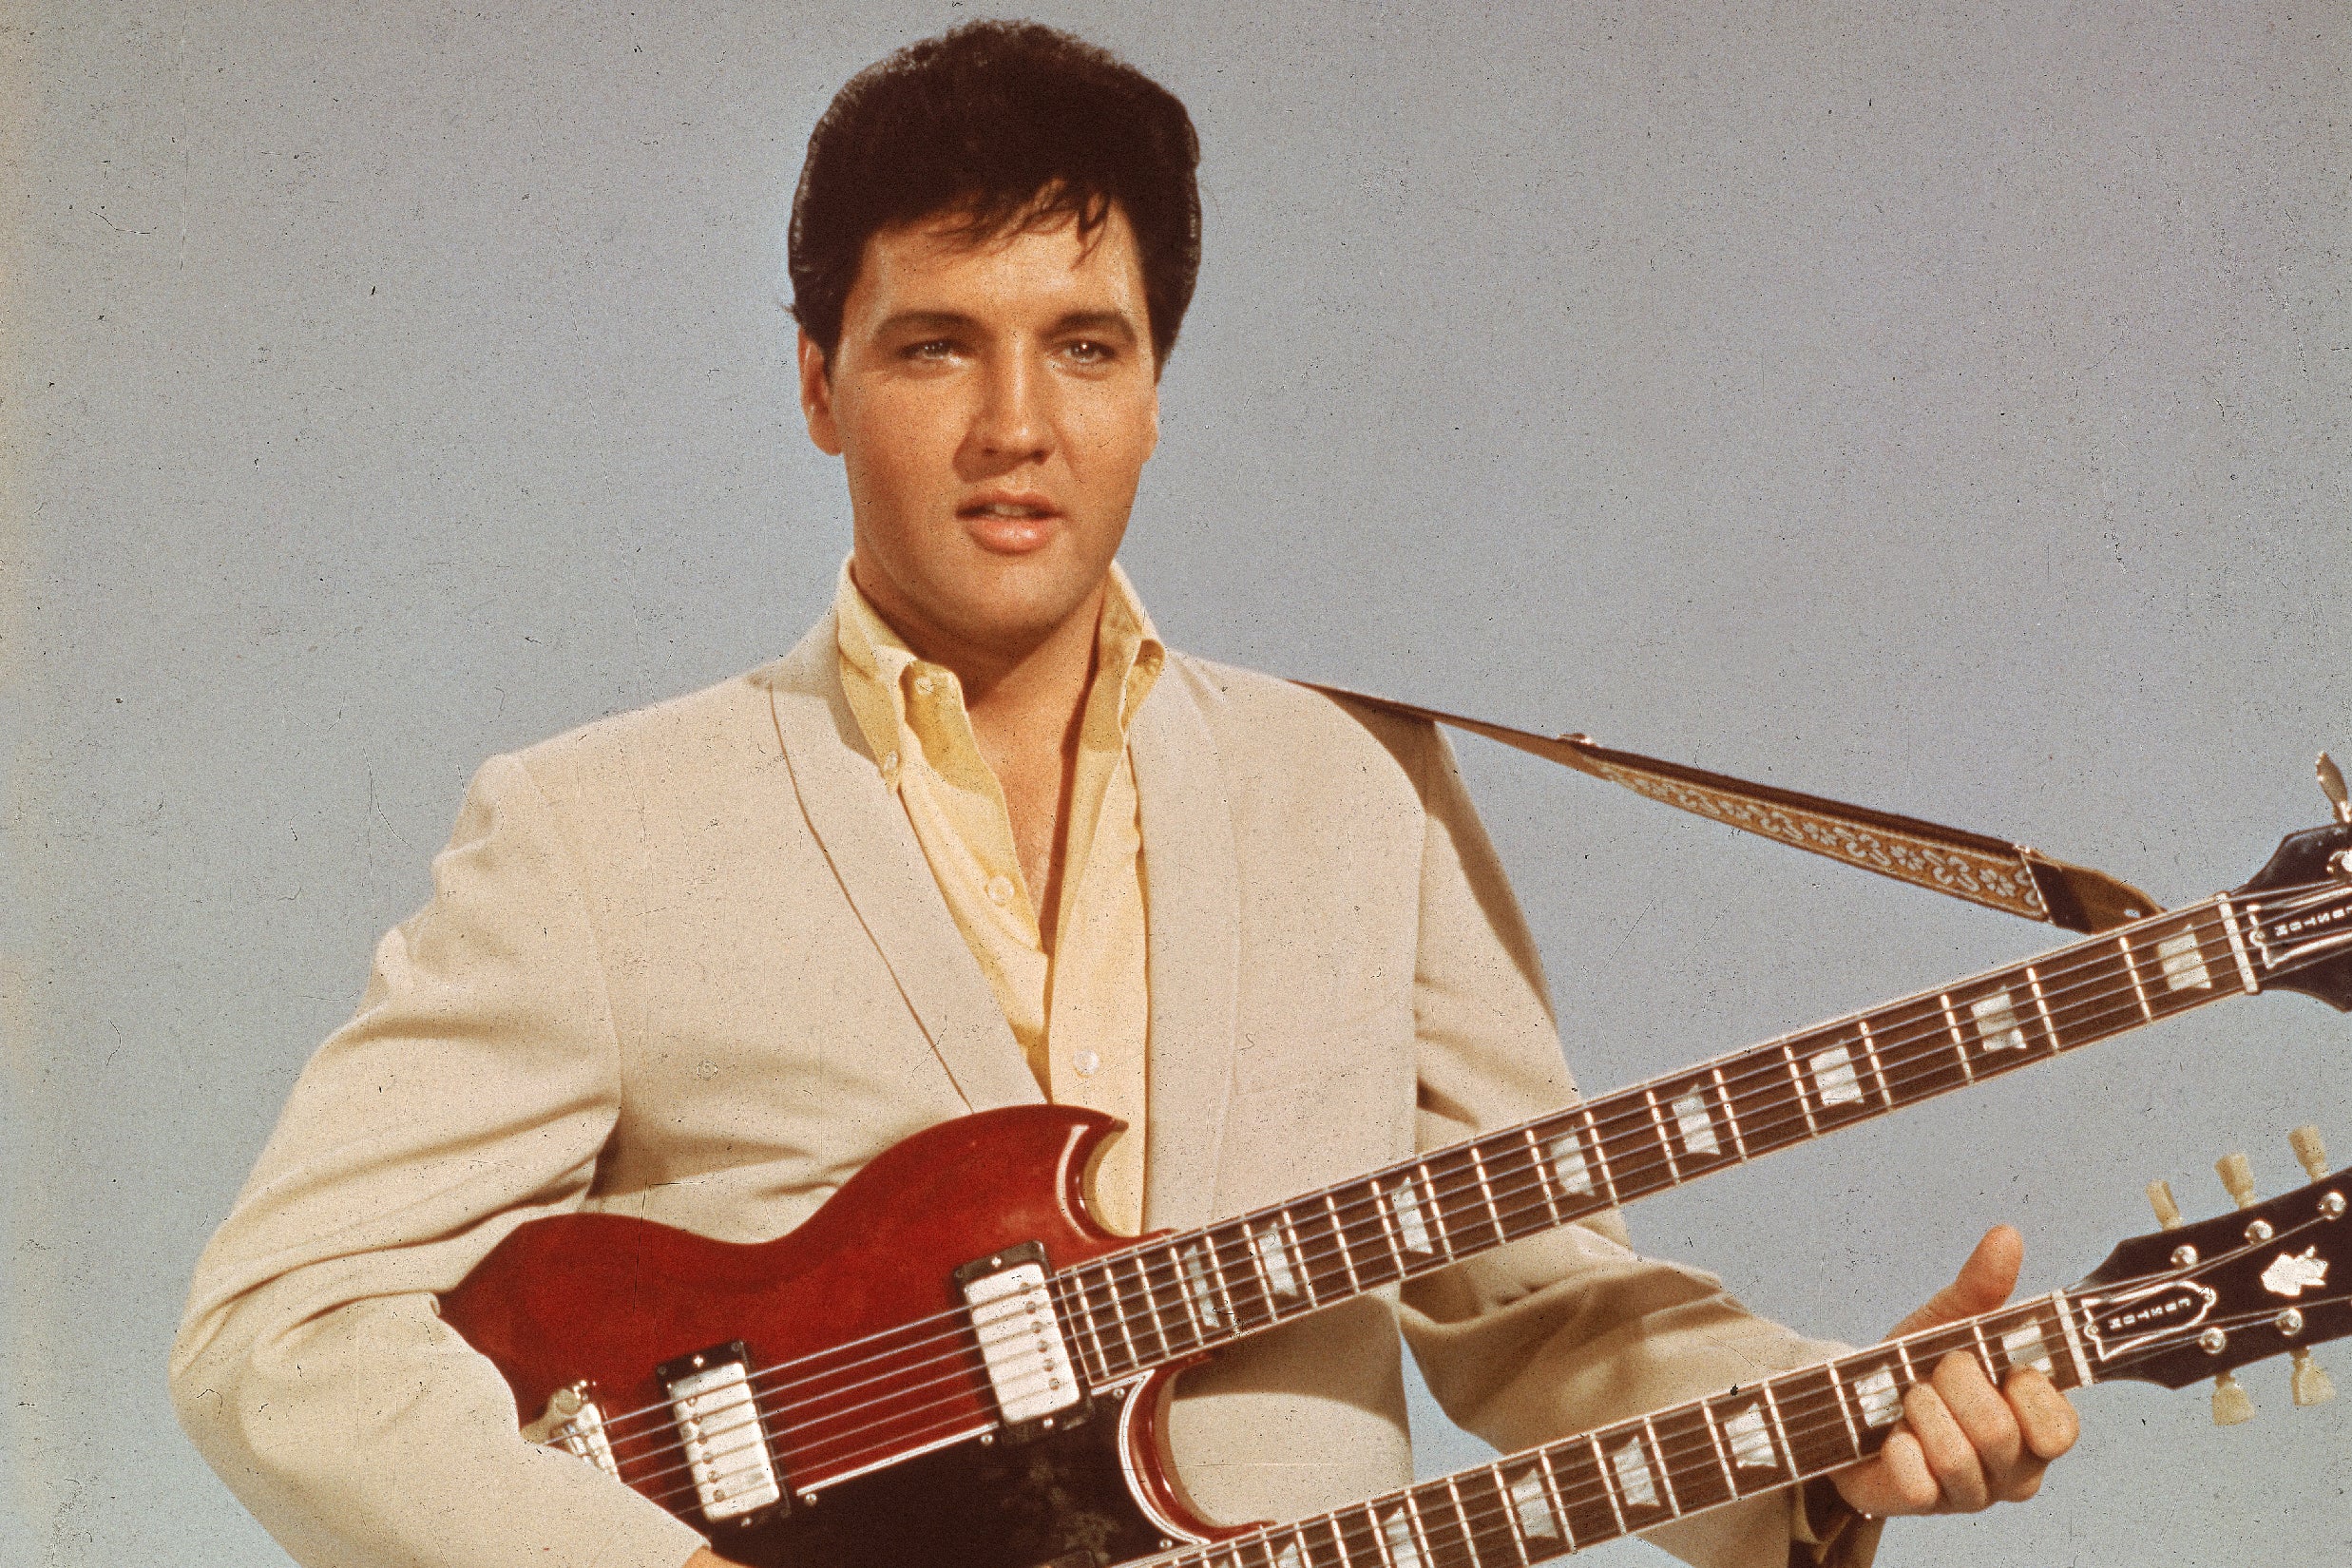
[862,1301]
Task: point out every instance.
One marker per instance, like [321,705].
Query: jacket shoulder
[1259,717]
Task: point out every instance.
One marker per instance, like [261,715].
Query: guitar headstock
[2195,1301]
[2299,909]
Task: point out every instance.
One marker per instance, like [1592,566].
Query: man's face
[993,404]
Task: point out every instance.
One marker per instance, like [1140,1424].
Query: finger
[1895,1480]
[2046,1419]
[1983,1416]
[1951,1458]
[1984,1283]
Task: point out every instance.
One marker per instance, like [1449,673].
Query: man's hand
[1964,1445]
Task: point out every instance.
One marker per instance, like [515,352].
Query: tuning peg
[2331,785]
[2238,1176]
[2233,1404]
[2309,1384]
[2160,1199]
[2309,1152]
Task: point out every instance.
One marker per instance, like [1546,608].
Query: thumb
[1984,1283]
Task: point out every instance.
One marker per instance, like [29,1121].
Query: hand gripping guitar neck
[2175,1308]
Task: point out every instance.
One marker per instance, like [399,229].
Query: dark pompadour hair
[1000,125]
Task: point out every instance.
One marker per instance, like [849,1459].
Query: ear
[816,397]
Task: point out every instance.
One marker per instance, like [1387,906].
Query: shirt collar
[875,662]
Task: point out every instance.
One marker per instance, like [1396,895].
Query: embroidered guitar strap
[1989,871]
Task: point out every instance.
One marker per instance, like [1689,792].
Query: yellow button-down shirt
[1079,1009]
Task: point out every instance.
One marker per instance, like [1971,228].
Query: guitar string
[2019,1311]
[840,1457]
[1630,1118]
[2014,1310]
[812,1445]
[1591,1489]
[815,1442]
[2182,920]
[815,1414]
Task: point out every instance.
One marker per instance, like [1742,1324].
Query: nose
[1014,421]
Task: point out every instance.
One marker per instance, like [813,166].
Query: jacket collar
[1191,914]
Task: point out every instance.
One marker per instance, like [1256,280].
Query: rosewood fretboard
[1137,1309]
[1638,1474]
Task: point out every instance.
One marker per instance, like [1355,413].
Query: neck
[1015,677]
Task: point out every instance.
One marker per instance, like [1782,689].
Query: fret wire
[1100,1370]
[2237,944]
[1960,1041]
[1224,1291]
[1878,1070]
[1508,1507]
[1608,1482]
[1837,1386]
[1731,1113]
[1549,1479]
[1902,1353]
[1486,1191]
[1658,1450]
[1298,1250]
[1462,1523]
[1600,1158]
[1438,1226]
[1813,1128]
[1257,1267]
[1723,1455]
[1666,1142]
[1339,1235]
[1151,1304]
[1545,1182]
[1389,1228]
[2132,968]
[1417,1530]
[2065,1309]
[1787,1449]
[2039,1001]
[1118,1314]
[1984,1352]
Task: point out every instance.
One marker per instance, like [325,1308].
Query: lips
[1009,524]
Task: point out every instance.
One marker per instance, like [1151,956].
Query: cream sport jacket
[689,964]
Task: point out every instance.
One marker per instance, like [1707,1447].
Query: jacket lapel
[1192,949]
[866,837]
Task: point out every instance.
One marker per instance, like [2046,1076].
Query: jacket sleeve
[1570,1329]
[472,1091]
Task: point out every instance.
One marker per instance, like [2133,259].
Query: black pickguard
[1057,1499]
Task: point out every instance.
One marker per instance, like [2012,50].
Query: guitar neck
[1166,1300]
[1596,1486]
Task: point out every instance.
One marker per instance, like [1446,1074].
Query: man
[978,839]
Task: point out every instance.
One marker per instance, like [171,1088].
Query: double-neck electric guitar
[950,1363]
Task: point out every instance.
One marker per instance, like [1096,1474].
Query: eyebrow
[1101,323]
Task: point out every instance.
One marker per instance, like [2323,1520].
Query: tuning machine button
[2233,1404]
[2310,1152]
[2309,1384]
[2331,785]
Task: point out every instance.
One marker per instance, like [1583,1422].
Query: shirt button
[924,684]
[999,891]
[1087,1063]
[889,767]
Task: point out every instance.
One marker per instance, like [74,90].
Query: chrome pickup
[1020,1340]
[573,1423]
[717,1416]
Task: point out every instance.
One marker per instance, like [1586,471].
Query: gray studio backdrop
[1946,411]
